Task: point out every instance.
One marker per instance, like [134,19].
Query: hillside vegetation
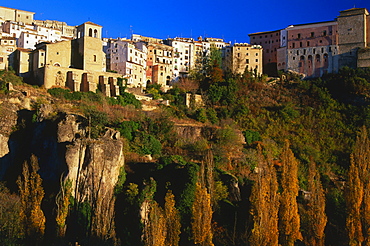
[261,162]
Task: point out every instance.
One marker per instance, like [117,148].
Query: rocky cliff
[64,151]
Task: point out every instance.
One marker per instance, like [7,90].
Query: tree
[264,204]
[289,220]
[63,201]
[316,208]
[202,217]
[155,227]
[31,194]
[172,217]
[357,192]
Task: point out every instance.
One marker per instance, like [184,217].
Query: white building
[183,58]
[127,58]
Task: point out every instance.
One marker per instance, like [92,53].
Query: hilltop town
[232,146]
[52,53]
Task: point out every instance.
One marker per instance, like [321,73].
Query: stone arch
[168,80]
[90,32]
[95,33]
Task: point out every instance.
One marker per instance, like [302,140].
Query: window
[256,60]
[299,36]
[300,44]
[247,61]
[293,45]
[95,58]
[1,59]
[308,43]
[312,34]
[256,54]
[90,32]
[324,33]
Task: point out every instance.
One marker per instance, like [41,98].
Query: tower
[353,25]
[89,47]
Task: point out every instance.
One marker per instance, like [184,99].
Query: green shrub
[251,136]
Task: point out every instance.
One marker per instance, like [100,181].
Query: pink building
[270,41]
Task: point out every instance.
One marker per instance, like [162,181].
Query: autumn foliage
[31,194]
[265,203]
[289,220]
[202,217]
[358,194]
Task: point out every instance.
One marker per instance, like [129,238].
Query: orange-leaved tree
[289,220]
[317,218]
[264,203]
[358,193]
[172,217]
[31,194]
[202,217]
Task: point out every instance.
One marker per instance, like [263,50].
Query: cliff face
[63,149]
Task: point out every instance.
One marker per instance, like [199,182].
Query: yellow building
[159,64]
[78,64]
[7,47]
[16,15]
[242,56]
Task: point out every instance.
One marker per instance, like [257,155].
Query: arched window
[95,33]
[94,58]
[90,32]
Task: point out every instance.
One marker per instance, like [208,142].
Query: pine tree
[264,204]
[31,194]
[202,217]
[316,208]
[172,217]
[289,220]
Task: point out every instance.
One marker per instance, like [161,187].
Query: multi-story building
[7,47]
[270,41]
[160,64]
[140,38]
[354,37]
[16,15]
[217,43]
[317,48]
[78,64]
[65,30]
[183,49]
[242,56]
[129,59]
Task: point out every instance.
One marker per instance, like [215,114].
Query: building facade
[270,41]
[317,48]
[7,48]
[160,65]
[129,59]
[240,57]
[78,64]
[16,15]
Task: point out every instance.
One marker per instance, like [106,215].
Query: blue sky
[232,20]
